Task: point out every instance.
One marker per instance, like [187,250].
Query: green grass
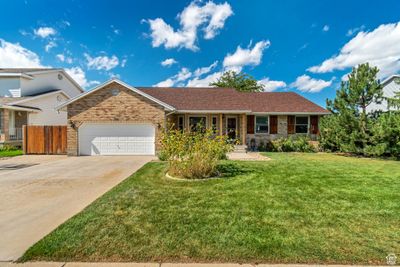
[10,153]
[296,208]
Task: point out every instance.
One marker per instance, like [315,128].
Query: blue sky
[301,46]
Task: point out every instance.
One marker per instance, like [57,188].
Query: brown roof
[196,98]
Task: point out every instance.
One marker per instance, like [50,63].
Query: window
[301,124]
[196,123]
[261,124]
[214,124]
[181,123]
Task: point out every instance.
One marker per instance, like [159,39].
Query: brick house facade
[247,117]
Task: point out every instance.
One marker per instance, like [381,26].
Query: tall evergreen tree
[395,101]
[350,107]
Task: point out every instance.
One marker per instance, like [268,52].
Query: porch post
[220,124]
[244,123]
[5,124]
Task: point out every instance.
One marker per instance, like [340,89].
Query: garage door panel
[117,139]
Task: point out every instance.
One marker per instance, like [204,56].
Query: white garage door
[116,139]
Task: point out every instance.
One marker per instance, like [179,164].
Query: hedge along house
[117,119]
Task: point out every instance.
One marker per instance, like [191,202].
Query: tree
[395,101]
[349,107]
[240,81]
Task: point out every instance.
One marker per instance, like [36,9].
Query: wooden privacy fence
[45,140]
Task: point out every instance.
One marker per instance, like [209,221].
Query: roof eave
[19,108]
[163,104]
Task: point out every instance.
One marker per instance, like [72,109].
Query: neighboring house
[28,96]
[390,87]
[117,119]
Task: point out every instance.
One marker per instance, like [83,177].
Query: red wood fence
[45,140]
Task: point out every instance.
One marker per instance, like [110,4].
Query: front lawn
[296,208]
[10,153]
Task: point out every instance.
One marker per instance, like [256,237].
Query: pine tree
[350,106]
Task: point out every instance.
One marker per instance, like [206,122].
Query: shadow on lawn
[230,170]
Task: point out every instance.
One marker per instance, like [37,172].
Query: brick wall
[103,106]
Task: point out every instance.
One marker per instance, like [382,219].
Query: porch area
[250,131]
[11,123]
[232,124]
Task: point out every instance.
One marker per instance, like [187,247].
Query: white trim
[213,111]
[16,74]
[389,79]
[165,105]
[19,108]
[290,113]
[40,96]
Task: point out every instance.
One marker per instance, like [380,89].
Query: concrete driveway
[38,193]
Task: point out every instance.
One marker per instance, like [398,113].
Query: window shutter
[290,124]
[250,124]
[273,124]
[314,124]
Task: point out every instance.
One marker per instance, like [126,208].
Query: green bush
[193,155]
[8,148]
[292,144]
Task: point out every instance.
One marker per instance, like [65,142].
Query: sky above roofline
[303,46]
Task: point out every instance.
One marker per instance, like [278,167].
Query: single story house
[117,119]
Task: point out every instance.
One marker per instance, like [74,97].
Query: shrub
[8,148]
[193,155]
[292,144]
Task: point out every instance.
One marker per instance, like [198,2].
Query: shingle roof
[195,98]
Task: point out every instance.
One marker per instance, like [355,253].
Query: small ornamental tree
[193,155]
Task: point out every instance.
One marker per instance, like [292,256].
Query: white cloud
[204,70]
[204,82]
[210,18]
[50,45]
[167,83]
[123,62]
[181,76]
[13,55]
[63,58]
[379,47]
[44,32]
[168,62]
[60,57]
[355,30]
[101,62]
[80,77]
[325,28]
[270,85]
[305,83]
[248,56]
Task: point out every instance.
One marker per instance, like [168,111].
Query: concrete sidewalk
[128,264]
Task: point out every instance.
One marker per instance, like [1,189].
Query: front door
[231,127]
